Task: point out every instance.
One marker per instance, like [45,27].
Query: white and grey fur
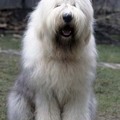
[56,82]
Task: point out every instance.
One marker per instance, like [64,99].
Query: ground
[107,85]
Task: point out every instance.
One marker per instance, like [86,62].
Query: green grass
[9,42]
[107,89]
[8,69]
[109,53]
[8,73]
[107,85]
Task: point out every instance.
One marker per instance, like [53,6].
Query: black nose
[67,17]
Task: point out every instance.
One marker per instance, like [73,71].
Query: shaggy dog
[58,64]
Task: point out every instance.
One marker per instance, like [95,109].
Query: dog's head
[58,28]
[69,22]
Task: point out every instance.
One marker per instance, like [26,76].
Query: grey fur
[23,92]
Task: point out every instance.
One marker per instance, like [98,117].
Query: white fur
[70,79]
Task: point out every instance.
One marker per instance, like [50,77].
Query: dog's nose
[67,17]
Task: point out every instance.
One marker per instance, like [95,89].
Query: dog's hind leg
[18,107]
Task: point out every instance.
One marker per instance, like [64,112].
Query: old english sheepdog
[58,64]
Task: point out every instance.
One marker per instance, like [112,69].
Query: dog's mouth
[67,31]
[65,37]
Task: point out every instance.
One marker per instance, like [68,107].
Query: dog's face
[69,21]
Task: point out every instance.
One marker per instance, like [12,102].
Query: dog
[58,64]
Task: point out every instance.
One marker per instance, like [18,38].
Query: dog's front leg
[77,108]
[46,108]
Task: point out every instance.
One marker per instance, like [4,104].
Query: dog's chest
[63,76]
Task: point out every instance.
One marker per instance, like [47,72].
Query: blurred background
[13,18]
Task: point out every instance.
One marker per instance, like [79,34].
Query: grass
[9,42]
[107,89]
[107,85]
[109,53]
[8,73]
